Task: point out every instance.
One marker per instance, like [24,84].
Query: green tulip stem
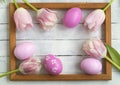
[8,73]
[16,5]
[108,5]
[117,66]
[35,9]
[4,1]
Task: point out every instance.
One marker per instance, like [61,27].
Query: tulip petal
[22,19]
[95,48]
[30,66]
[47,18]
[94,20]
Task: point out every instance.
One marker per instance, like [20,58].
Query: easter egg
[53,65]
[24,50]
[72,17]
[91,66]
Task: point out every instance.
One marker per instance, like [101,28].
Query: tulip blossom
[22,19]
[46,17]
[96,49]
[96,18]
[30,66]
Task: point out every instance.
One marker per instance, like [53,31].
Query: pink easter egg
[91,66]
[72,17]
[53,65]
[24,50]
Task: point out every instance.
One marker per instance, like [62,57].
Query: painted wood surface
[4,52]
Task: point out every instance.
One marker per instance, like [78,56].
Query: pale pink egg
[24,50]
[53,65]
[91,66]
[72,17]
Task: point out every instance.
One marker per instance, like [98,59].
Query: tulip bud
[47,18]
[22,19]
[95,48]
[30,66]
[94,20]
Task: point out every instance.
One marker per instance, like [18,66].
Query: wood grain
[104,76]
[66,5]
[12,41]
[108,39]
[53,33]
[59,32]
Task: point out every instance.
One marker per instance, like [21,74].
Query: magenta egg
[24,50]
[72,17]
[53,65]
[91,66]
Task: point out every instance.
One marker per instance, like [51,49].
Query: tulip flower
[22,18]
[96,18]
[46,17]
[96,49]
[29,66]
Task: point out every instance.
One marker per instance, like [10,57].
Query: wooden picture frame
[12,43]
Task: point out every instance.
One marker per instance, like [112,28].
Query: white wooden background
[55,42]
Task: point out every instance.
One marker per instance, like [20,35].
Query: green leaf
[114,54]
[4,1]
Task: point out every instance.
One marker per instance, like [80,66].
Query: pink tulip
[95,48]
[31,66]
[94,20]
[47,18]
[22,19]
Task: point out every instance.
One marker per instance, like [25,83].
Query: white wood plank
[116,31]
[4,15]
[3,5]
[57,47]
[4,31]
[59,32]
[4,64]
[115,17]
[116,45]
[4,48]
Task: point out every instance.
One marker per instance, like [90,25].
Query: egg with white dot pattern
[53,65]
